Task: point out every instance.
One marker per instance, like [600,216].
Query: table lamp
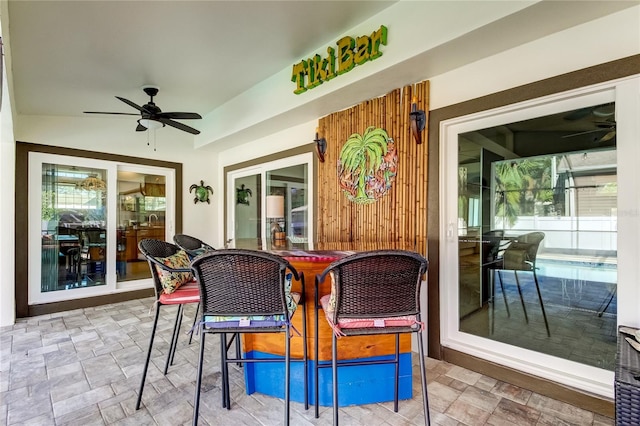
[275,210]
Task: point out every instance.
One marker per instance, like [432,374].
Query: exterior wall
[7,212]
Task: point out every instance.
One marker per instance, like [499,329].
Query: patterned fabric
[332,298]
[219,321]
[403,321]
[292,303]
[172,280]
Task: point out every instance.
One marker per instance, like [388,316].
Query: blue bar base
[363,384]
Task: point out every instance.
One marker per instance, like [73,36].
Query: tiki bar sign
[350,52]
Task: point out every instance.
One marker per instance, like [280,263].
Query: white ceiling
[73,56]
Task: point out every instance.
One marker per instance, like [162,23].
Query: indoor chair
[91,256]
[192,245]
[169,267]
[372,293]
[521,255]
[247,291]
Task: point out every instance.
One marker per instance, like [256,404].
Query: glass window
[141,214]
[540,282]
[537,255]
[74,239]
[91,215]
[269,205]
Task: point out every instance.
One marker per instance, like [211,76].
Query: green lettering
[377,38]
[362,50]
[316,73]
[331,56]
[349,53]
[297,76]
[345,54]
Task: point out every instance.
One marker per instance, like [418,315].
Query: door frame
[593,75]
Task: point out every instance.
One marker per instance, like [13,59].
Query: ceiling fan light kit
[150,124]
[152,117]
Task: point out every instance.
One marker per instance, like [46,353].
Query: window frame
[22,203]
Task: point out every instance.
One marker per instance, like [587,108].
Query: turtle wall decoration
[201,192]
[243,194]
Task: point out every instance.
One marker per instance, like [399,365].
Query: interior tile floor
[83,367]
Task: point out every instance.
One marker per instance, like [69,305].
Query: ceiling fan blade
[140,128]
[131,104]
[578,114]
[180,115]
[584,133]
[608,136]
[178,126]
[112,113]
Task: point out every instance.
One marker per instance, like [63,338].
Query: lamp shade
[275,206]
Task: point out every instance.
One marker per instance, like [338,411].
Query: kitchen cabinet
[134,236]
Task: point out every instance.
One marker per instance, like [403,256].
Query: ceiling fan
[609,127]
[600,111]
[152,117]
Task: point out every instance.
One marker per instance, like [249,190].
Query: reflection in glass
[248,226]
[141,214]
[74,240]
[537,224]
[289,226]
[284,204]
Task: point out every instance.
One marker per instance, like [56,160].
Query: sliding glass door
[268,206]
[87,219]
[532,277]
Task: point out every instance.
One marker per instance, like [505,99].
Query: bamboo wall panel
[397,220]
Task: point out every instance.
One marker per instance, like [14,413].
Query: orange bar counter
[357,384]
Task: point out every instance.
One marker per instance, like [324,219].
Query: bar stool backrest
[377,284]
[153,251]
[192,245]
[236,282]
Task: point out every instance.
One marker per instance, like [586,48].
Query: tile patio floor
[83,367]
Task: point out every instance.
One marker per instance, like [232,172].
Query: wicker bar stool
[192,245]
[247,291]
[169,267]
[373,293]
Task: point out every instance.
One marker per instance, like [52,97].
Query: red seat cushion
[186,293]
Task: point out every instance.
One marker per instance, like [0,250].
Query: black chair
[91,256]
[381,290]
[244,291]
[521,255]
[192,245]
[156,252]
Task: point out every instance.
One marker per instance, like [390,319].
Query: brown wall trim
[545,387]
[89,302]
[21,248]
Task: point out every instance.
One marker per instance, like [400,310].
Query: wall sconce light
[321,146]
[418,119]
